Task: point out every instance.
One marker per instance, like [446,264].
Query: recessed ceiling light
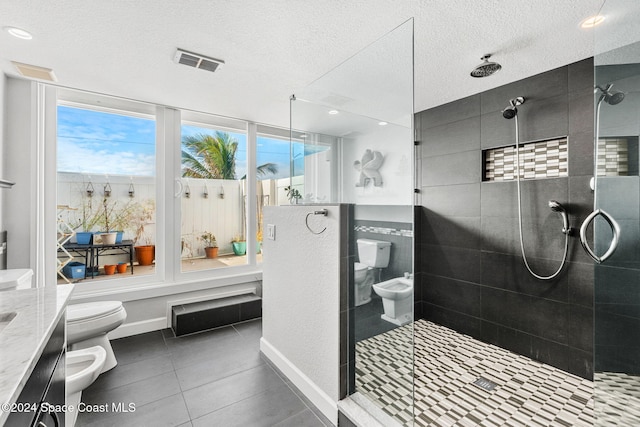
[332,112]
[383,123]
[19,33]
[303,135]
[592,21]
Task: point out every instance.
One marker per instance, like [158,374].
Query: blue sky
[93,142]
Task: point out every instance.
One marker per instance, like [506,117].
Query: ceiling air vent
[34,71]
[196,60]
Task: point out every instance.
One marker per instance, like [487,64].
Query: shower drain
[485,384]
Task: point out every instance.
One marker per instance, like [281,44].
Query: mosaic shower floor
[527,393]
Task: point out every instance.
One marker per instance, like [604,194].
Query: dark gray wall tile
[540,86]
[455,137]
[581,289]
[581,153]
[542,237]
[619,196]
[537,316]
[580,112]
[459,296]
[581,76]
[545,320]
[453,200]
[508,272]
[581,363]
[452,112]
[456,263]
[580,337]
[452,319]
[452,169]
[543,118]
[464,232]
[496,131]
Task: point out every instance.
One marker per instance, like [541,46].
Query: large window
[213,203]
[106,186]
[188,185]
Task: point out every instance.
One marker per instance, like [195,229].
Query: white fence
[213,205]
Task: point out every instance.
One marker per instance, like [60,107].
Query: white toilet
[397,299]
[89,323]
[83,368]
[372,254]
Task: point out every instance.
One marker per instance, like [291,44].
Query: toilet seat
[92,310]
[90,319]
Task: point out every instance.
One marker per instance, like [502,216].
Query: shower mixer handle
[615,229]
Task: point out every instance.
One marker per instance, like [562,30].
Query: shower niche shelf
[538,159]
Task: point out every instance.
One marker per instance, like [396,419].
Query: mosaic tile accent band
[546,159]
[383,230]
[613,157]
[528,393]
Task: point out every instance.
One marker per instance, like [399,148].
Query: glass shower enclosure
[617,192]
[352,143]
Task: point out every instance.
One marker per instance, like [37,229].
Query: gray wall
[469,272]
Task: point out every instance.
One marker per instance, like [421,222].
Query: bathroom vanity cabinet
[45,388]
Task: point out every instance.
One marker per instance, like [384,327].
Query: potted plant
[85,223]
[141,216]
[210,244]
[239,245]
[108,237]
[292,194]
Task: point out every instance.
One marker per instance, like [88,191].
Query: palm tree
[214,157]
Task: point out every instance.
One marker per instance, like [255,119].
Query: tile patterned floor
[528,393]
[617,399]
[213,378]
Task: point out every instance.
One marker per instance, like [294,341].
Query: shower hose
[566,234]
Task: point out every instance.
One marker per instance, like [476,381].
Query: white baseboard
[319,398]
[135,328]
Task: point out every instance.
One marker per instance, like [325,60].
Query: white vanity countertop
[37,311]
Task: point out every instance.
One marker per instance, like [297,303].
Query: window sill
[160,289]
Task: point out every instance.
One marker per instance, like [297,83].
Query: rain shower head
[611,97]
[486,68]
[511,111]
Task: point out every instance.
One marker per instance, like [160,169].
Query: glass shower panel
[617,192]
[352,142]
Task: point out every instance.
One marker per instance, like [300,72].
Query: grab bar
[615,228]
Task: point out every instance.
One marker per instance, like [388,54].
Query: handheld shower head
[611,97]
[511,111]
[557,207]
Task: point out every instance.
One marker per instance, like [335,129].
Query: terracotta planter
[109,269]
[122,267]
[211,252]
[145,254]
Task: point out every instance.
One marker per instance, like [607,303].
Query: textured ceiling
[275,48]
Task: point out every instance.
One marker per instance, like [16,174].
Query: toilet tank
[374,253]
